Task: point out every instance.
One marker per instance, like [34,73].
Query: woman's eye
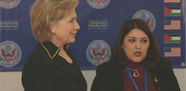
[144,41]
[131,40]
[71,21]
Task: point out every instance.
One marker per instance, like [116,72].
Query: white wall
[11,81]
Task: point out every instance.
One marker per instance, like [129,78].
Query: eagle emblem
[10,54]
[146,16]
[98,52]
[8,4]
[98,4]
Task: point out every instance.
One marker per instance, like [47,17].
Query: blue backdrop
[100,21]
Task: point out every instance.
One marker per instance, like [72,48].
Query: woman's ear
[52,25]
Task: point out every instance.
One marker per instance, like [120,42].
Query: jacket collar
[50,48]
[61,63]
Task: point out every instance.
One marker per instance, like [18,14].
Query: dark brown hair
[153,55]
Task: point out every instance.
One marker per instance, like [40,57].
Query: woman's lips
[74,34]
[137,54]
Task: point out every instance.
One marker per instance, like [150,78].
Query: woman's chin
[72,40]
[137,60]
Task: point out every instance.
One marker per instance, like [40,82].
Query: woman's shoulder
[111,66]
[164,64]
[37,54]
[164,61]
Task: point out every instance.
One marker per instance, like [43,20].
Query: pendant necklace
[136,73]
[134,83]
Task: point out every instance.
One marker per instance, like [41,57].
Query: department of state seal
[98,52]
[10,54]
[9,4]
[98,4]
[146,16]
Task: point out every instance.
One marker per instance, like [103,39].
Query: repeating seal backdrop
[99,20]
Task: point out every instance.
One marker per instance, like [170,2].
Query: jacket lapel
[71,69]
[158,82]
[117,70]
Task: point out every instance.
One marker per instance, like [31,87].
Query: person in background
[51,66]
[135,63]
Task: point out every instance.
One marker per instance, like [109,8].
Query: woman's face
[65,29]
[135,45]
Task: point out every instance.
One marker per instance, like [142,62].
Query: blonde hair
[45,11]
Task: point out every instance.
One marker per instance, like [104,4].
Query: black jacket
[110,77]
[42,73]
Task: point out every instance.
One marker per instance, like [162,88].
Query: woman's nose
[76,26]
[138,45]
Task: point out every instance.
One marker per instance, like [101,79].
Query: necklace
[133,81]
[136,73]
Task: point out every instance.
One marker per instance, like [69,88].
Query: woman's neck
[58,44]
[134,65]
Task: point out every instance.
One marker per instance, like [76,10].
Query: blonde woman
[51,66]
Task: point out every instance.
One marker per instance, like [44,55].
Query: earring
[53,32]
